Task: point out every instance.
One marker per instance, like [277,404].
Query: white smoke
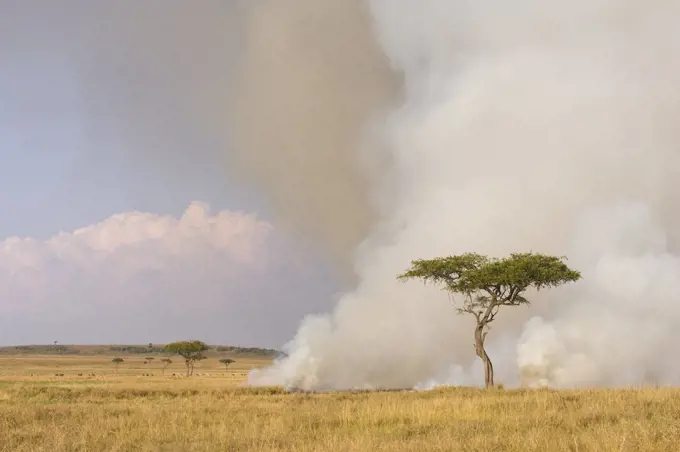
[526,125]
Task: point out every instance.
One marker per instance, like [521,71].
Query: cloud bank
[138,277]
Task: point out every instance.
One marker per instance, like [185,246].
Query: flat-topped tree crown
[117,362]
[226,362]
[503,280]
[191,351]
[486,284]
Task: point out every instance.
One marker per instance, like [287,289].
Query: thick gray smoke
[310,81]
[277,93]
[526,125]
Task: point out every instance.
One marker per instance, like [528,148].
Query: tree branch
[497,307]
[490,292]
[488,317]
[469,308]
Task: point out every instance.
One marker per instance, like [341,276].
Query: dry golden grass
[128,412]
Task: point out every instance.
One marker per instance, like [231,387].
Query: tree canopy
[191,351]
[226,362]
[187,349]
[117,362]
[487,283]
[166,362]
[504,278]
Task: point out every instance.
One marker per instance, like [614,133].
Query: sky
[121,221]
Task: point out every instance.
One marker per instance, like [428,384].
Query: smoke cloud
[310,81]
[279,95]
[127,106]
[525,125]
[386,130]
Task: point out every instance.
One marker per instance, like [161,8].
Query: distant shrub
[39,350]
[225,362]
[247,350]
[136,349]
[150,349]
[117,362]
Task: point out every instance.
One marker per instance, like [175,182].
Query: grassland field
[126,411]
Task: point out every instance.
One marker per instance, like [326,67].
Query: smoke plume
[525,125]
[309,83]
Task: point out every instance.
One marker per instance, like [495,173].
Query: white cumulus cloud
[139,277]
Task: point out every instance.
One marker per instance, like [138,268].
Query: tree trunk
[480,336]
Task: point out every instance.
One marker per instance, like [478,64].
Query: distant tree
[191,351]
[486,284]
[58,348]
[136,349]
[148,359]
[226,362]
[166,363]
[117,362]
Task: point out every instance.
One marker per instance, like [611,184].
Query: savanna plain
[98,406]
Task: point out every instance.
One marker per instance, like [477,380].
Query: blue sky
[77,140]
[105,111]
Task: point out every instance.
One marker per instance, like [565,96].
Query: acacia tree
[226,362]
[191,351]
[117,362]
[59,348]
[486,284]
[166,363]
